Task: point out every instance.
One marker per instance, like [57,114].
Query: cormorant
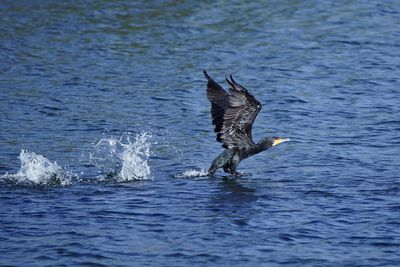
[233,115]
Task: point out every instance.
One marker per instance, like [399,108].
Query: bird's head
[272,141]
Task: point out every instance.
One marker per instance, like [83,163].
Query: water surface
[106,133]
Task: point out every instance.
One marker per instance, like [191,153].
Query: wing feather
[219,102]
[233,114]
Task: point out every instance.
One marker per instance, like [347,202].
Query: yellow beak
[279,141]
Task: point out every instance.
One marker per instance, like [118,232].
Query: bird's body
[233,116]
[230,158]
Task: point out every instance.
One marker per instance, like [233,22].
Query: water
[106,133]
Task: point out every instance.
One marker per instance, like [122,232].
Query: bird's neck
[259,147]
[255,149]
[262,145]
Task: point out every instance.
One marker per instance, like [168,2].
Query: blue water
[106,133]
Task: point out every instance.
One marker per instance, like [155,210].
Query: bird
[233,115]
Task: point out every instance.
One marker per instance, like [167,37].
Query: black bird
[233,115]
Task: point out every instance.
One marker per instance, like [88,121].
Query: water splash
[122,159]
[134,159]
[37,170]
[192,174]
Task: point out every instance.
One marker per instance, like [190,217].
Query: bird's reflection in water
[235,200]
[232,184]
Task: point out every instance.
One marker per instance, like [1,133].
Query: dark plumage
[233,115]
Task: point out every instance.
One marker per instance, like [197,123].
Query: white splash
[123,160]
[38,170]
[134,159]
[192,174]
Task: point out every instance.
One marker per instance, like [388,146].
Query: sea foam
[192,174]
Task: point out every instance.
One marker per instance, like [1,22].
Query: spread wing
[233,114]
[219,99]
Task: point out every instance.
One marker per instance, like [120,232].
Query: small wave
[37,170]
[122,159]
[192,174]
